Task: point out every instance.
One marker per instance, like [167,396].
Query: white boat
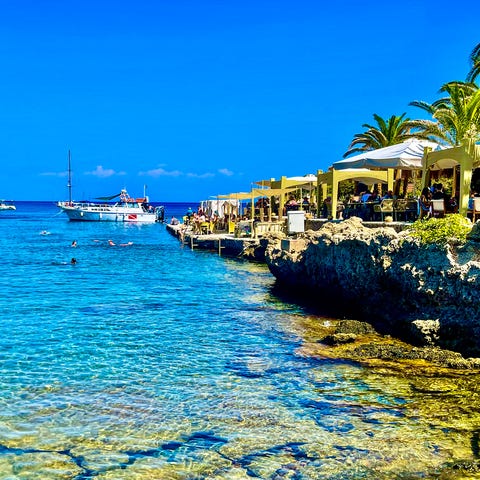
[125,209]
[7,205]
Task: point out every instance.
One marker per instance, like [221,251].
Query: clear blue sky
[196,98]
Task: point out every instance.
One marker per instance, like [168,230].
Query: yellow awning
[237,196]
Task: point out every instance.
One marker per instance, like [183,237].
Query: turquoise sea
[153,361]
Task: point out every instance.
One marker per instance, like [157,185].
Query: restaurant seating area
[400,210]
[383,185]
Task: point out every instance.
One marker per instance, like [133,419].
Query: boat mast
[69,184]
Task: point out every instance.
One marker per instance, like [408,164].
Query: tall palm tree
[456,116]
[475,60]
[394,130]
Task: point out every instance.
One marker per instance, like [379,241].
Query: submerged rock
[426,294]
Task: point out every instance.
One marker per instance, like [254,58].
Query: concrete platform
[229,244]
[222,243]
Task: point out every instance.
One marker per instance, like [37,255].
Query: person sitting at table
[438,193]
[197,222]
[388,196]
[374,197]
[327,207]
[452,204]
[470,199]
[424,202]
[292,203]
[365,197]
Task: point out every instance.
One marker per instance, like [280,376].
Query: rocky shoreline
[425,295]
[360,342]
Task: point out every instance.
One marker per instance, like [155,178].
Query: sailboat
[124,209]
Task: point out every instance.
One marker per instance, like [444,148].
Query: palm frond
[475,61]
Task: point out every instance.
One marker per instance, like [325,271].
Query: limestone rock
[339,338]
[389,280]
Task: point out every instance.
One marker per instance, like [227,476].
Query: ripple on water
[156,361]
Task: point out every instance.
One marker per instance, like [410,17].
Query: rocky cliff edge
[425,294]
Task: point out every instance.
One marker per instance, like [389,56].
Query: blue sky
[199,98]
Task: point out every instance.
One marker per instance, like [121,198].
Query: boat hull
[109,214]
[7,205]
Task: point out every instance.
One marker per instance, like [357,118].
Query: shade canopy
[270,192]
[109,197]
[466,157]
[237,196]
[290,181]
[406,156]
[363,175]
[369,177]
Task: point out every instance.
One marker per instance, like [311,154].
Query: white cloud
[161,172]
[225,171]
[200,175]
[104,172]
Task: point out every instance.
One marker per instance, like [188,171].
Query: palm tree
[475,60]
[386,132]
[456,116]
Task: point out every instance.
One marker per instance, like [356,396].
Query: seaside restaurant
[258,215]
[292,193]
[460,162]
[328,184]
[398,166]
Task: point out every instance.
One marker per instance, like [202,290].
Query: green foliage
[456,116]
[346,189]
[475,61]
[450,228]
[391,131]
[447,183]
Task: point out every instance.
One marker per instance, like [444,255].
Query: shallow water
[152,361]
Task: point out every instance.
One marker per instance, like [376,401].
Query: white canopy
[407,156]
[305,179]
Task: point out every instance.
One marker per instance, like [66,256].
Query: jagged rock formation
[427,295]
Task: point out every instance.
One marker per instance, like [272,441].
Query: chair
[412,212]
[476,208]
[384,208]
[438,208]
[400,208]
[260,228]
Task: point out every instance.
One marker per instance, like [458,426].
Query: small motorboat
[7,205]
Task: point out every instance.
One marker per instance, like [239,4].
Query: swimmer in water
[126,244]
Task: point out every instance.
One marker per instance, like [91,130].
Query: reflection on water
[158,362]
